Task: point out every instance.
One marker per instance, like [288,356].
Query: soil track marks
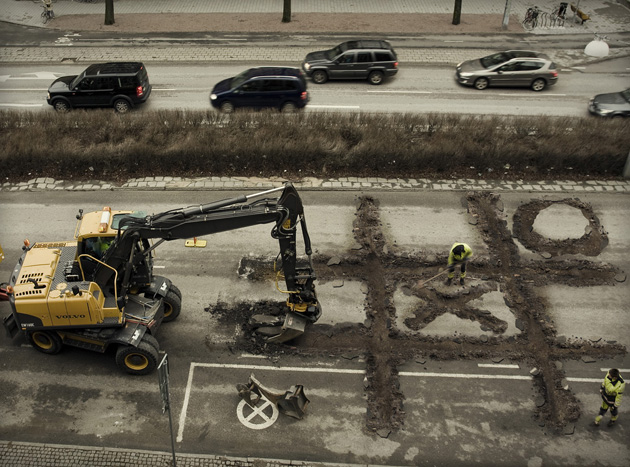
[385,270]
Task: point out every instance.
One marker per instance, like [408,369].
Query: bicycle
[531,18]
[48,12]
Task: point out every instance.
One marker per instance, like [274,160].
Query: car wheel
[376,77]
[61,106]
[539,84]
[227,107]
[121,106]
[320,77]
[481,83]
[45,342]
[289,108]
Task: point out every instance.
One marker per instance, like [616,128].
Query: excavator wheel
[151,340]
[178,292]
[172,305]
[140,360]
[45,341]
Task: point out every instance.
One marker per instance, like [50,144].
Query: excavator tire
[45,341]
[151,340]
[178,292]
[140,360]
[172,305]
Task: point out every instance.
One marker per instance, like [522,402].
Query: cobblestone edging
[292,54]
[17,454]
[344,183]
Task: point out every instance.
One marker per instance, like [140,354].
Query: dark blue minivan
[283,88]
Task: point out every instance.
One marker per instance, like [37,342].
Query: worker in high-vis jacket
[459,255]
[612,393]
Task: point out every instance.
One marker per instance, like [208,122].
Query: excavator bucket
[294,325]
[292,402]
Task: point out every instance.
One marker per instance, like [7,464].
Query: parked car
[514,68]
[373,60]
[262,87]
[121,85]
[615,104]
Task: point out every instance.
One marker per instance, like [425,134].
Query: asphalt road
[474,411]
[418,89]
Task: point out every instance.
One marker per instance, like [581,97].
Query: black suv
[366,59]
[121,85]
[262,87]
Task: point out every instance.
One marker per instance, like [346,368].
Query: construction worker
[612,393]
[459,255]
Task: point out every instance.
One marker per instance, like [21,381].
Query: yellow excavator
[99,289]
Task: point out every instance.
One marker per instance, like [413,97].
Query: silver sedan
[512,68]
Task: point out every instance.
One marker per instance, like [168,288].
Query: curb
[23,454]
[337,184]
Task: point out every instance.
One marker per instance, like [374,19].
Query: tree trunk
[457,12]
[109,12]
[286,11]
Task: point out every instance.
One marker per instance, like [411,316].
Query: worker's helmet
[459,250]
[614,373]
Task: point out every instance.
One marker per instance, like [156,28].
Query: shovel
[421,284]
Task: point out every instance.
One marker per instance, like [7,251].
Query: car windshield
[239,79]
[495,59]
[77,80]
[626,95]
[332,53]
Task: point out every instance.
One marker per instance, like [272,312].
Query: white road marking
[497,365]
[159,267]
[21,105]
[530,95]
[25,89]
[257,412]
[579,68]
[621,370]
[401,92]
[316,106]
[453,41]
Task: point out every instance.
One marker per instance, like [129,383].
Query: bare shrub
[100,144]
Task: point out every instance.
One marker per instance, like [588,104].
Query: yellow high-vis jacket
[612,391]
[465,256]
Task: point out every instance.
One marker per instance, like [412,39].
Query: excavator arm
[130,249]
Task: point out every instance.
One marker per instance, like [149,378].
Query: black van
[121,85]
[283,88]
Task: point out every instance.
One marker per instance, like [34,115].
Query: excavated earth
[385,348]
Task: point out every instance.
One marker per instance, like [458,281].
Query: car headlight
[603,111]
[307,66]
[465,75]
[213,97]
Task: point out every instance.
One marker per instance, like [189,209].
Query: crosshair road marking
[258,412]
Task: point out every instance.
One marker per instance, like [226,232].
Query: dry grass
[102,145]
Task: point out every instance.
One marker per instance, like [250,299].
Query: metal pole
[506,14]
[170,422]
[626,169]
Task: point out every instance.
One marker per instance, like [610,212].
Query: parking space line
[498,365]
[463,375]
[182,416]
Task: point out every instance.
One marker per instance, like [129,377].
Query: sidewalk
[606,16]
[312,29]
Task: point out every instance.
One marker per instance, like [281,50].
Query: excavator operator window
[97,246]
